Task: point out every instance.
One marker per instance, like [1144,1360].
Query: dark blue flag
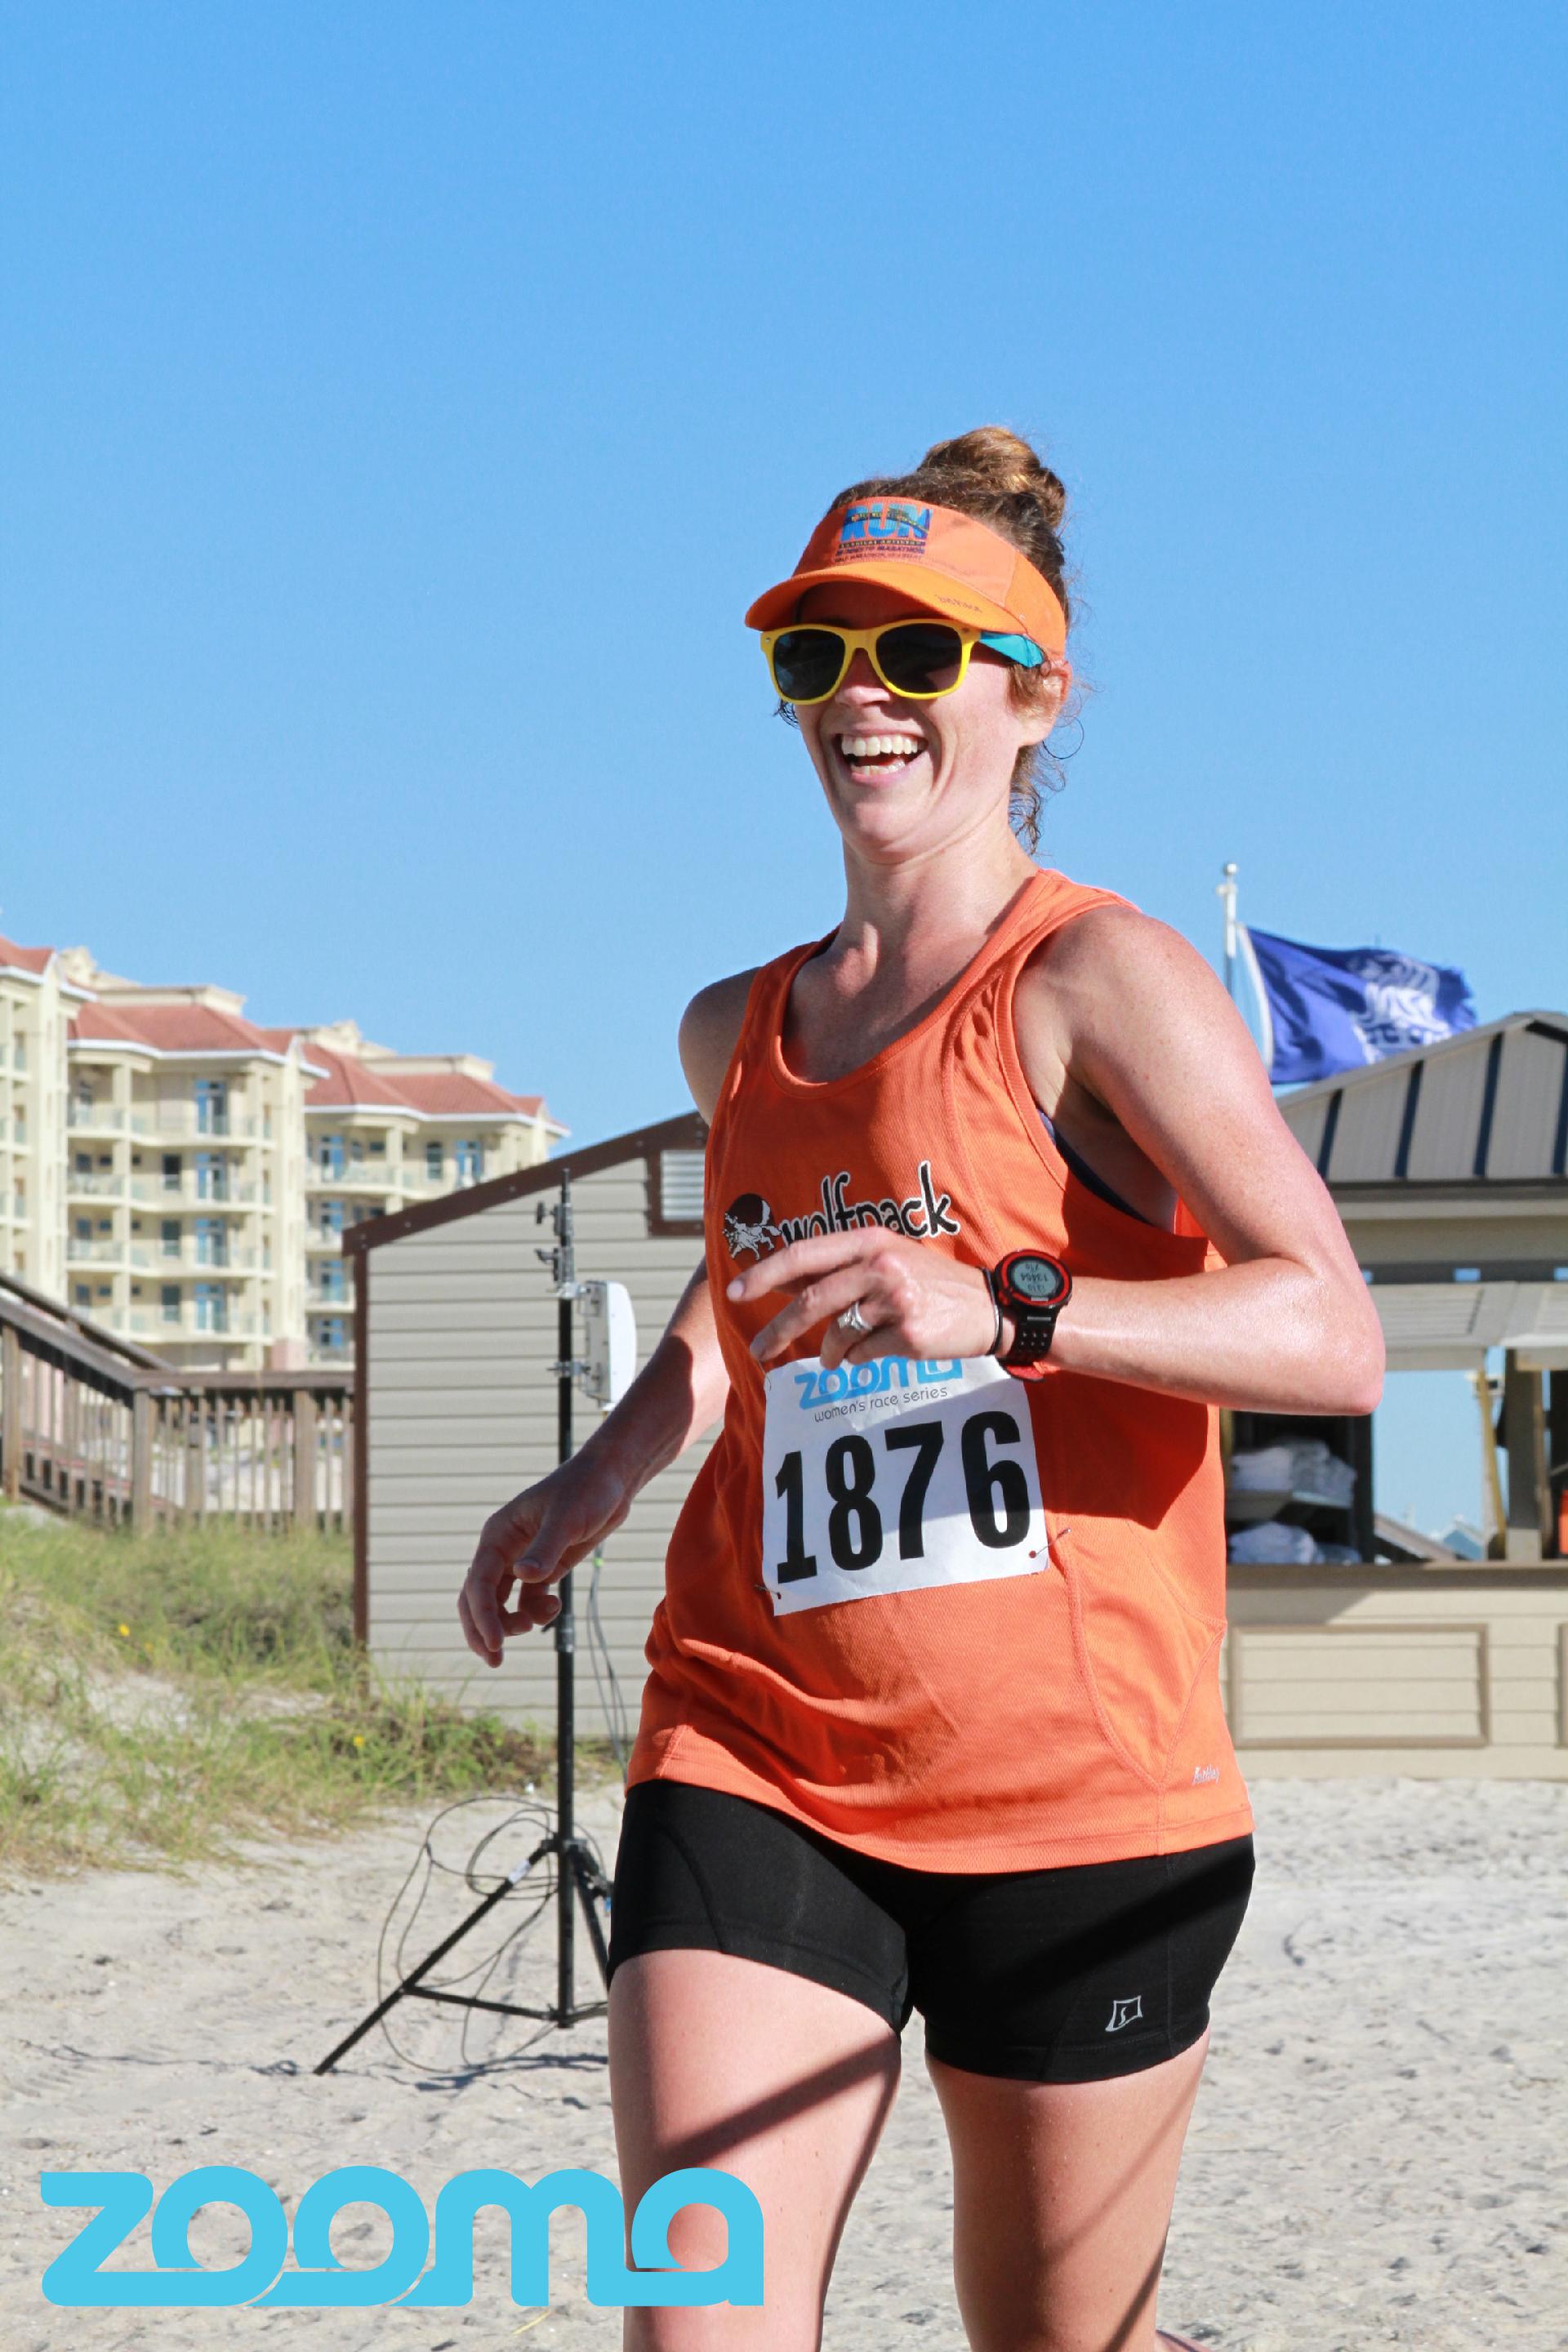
[1327,1009]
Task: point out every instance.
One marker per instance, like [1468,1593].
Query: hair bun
[1003,464]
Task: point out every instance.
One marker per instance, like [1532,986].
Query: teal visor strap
[1022,650]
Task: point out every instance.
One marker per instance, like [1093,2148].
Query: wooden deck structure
[94,1427]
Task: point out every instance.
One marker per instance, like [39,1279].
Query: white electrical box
[609,1346]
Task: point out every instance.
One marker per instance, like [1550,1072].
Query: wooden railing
[96,1427]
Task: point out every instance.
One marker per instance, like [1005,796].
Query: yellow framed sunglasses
[920,660]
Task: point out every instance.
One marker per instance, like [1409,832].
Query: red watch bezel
[1001,1274]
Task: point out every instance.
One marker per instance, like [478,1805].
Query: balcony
[184,1120]
[151,1257]
[188,1260]
[321,1244]
[355,1177]
[151,1190]
[106,1118]
[100,1184]
[103,1251]
[149,1323]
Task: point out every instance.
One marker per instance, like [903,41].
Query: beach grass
[166,1696]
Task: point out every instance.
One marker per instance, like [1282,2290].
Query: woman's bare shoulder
[1108,964]
[709,1029]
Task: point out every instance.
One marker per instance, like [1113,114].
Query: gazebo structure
[1450,1170]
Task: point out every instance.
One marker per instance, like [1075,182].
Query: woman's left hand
[914,1301]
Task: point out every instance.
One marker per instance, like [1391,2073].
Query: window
[83,1293]
[19,1054]
[169,1297]
[212,1242]
[331,1332]
[330,1154]
[84,1229]
[211,1176]
[334,1279]
[173,1165]
[378,1147]
[212,1106]
[466,1158]
[433,1164]
[84,1163]
[210,1301]
[171,1236]
[332,1216]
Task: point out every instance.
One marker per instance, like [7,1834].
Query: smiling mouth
[873,757]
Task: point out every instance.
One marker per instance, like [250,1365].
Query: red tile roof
[170,1028]
[202,1028]
[24,959]
[448,1094]
[348,1081]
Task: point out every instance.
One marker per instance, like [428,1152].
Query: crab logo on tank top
[751,1224]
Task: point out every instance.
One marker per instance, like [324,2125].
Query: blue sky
[395,394]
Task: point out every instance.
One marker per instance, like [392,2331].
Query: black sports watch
[1033,1290]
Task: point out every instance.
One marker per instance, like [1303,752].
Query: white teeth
[880,747]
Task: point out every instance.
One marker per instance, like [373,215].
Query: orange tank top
[947,1616]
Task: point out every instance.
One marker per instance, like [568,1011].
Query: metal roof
[1490,1103]
[1450,1170]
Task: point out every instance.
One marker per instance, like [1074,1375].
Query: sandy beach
[1380,2154]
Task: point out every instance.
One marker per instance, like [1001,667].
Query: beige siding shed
[456,1331]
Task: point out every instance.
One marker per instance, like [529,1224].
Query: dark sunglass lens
[921,656]
[806,663]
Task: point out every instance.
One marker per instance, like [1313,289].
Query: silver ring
[853,1321]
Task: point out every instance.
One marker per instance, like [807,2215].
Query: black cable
[613,1708]
[539,1884]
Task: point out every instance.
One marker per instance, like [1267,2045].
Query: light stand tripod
[578,1878]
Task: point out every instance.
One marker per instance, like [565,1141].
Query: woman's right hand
[532,1542]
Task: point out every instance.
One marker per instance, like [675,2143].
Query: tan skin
[1062,2194]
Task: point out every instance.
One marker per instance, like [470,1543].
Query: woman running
[999,1211]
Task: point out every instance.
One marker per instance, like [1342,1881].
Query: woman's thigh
[1062,2195]
[719,2060]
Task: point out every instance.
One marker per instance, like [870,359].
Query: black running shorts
[1046,1976]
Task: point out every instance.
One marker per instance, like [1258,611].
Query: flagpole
[1226,891]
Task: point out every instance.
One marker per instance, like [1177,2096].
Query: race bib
[891,1476]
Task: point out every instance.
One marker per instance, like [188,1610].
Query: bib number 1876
[928,1478]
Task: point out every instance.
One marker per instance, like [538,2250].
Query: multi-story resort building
[36,1001]
[184,1176]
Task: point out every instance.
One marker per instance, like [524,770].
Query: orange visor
[944,561]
